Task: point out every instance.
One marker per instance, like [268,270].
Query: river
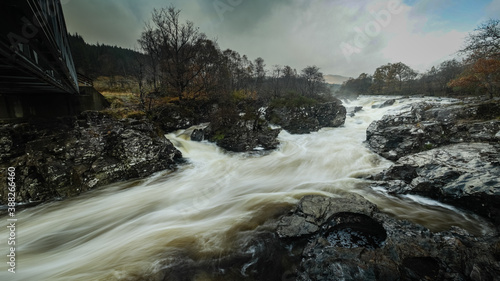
[128,229]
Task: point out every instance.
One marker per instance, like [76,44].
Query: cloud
[493,9]
[108,22]
[409,40]
[299,32]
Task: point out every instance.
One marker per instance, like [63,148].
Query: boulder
[427,125]
[355,241]
[313,211]
[343,238]
[386,103]
[197,135]
[353,110]
[466,175]
[66,157]
[243,135]
[172,117]
[307,119]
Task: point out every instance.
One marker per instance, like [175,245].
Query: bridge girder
[35,55]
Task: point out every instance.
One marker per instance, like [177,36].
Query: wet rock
[197,135]
[66,157]
[353,110]
[353,230]
[466,175]
[344,238]
[370,245]
[172,117]
[243,135]
[258,256]
[313,211]
[427,125]
[384,104]
[307,119]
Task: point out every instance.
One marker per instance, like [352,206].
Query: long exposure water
[127,229]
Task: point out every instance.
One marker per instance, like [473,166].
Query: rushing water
[126,230]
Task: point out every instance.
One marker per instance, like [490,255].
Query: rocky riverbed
[348,238]
[446,152]
[317,208]
[450,153]
[62,158]
[66,157]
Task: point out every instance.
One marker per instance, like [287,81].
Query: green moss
[428,146]
[219,137]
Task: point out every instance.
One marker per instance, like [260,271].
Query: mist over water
[129,229]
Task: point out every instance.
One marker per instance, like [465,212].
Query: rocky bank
[348,238]
[429,125]
[449,152]
[68,156]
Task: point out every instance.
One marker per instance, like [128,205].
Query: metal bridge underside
[34,51]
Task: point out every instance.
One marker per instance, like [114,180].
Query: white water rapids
[126,230]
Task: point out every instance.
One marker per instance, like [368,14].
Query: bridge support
[49,105]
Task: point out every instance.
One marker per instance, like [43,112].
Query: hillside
[102,60]
[335,79]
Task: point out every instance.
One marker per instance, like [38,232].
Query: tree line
[102,60]
[180,62]
[478,73]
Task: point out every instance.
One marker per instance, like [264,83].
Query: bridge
[37,72]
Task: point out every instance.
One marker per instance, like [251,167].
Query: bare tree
[259,72]
[276,75]
[150,44]
[178,47]
[484,42]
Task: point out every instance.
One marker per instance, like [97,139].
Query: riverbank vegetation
[177,66]
[476,72]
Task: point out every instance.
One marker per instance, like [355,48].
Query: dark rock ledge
[429,125]
[66,157]
[324,238]
[466,175]
[243,135]
[307,119]
[450,153]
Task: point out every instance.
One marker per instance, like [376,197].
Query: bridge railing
[85,80]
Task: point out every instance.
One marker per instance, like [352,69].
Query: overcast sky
[344,37]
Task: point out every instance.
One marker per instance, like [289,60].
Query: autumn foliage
[482,51]
[483,75]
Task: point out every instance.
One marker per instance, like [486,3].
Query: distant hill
[335,79]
